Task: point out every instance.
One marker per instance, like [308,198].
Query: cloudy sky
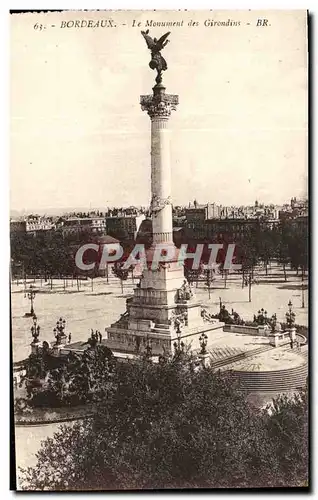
[80,139]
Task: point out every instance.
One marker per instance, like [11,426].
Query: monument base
[162,311]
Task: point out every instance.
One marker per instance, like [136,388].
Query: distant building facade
[125,226]
[35,224]
[78,225]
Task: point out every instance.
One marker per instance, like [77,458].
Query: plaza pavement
[98,306]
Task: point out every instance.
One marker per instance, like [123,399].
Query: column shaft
[161,180]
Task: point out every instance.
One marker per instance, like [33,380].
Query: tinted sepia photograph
[159,250]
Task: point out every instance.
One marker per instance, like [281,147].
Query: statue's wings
[162,39]
[150,43]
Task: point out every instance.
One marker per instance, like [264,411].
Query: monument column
[159,107]
[163,307]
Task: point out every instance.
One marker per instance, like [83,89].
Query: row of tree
[52,255]
[287,244]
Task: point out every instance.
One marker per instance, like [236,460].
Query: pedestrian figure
[69,337]
[100,337]
[291,344]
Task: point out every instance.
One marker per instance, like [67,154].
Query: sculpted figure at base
[185,292]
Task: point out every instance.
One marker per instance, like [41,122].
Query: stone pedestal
[274,339]
[205,359]
[35,347]
[292,334]
[58,347]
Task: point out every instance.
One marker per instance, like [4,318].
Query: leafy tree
[287,432]
[266,246]
[283,255]
[121,273]
[192,275]
[71,380]
[248,256]
[210,277]
[171,425]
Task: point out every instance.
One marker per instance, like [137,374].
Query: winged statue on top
[155,46]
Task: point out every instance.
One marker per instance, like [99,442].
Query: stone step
[292,378]
[240,356]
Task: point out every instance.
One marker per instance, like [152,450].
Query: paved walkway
[99,304]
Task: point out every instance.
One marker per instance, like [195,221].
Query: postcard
[159,249]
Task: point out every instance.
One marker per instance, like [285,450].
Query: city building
[78,225]
[124,226]
[36,224]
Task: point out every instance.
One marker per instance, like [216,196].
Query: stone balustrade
[261,330]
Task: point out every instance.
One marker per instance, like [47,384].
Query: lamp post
[273,322]
[59,331]
[179,345]
[290,315]
[35,330]
[203,343]
[31,296]
[148,349]
[302,296]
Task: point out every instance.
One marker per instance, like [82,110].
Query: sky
[80,139]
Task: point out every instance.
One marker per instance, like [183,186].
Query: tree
[192,275]
[287,431]
[283,255]
[209,273]
[70,380]
[248,254]
[267,246]
[121,273]
[170,425]
[224,272]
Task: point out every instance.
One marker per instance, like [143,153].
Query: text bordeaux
[102,23]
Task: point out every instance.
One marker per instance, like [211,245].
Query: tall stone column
[162,299]
[159,107]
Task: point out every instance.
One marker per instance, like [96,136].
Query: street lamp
[31,296]
[59,331]
[56,335]
[203,343]
[273,322]
[302,296]
[35,330]
[148,349]
[290,315]
[179,346]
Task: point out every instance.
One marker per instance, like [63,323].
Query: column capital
[160,104]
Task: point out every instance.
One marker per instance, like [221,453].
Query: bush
[169,425]
[68,380]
